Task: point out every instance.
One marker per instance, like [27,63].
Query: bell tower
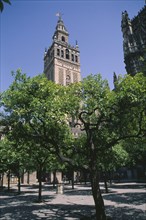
[61,60]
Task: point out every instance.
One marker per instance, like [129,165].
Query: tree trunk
[1,181]
[40,184]
[54,179]
[28,176]
[105,182]
[99,203]
[22,177]
[85,177]
[72,179]
[8,180]
[19,183]
[110,177]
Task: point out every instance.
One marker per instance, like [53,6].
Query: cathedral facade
[61,60]
[134,42]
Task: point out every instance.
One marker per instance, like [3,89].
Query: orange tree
[106,118]
[39,112]
[35,118]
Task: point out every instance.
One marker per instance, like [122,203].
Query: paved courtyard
[125,201]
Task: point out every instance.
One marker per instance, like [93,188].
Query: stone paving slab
[125,201]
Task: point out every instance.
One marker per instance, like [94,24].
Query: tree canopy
[2,4]
[42,114]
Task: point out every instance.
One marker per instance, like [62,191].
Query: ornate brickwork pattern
[75,77]
[61,78]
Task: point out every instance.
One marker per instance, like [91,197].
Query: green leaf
[7,1]
[1,6]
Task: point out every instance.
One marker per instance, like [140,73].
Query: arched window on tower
[58,52]
[76,59]
[62,53]
[67,54]
[63,38]
[72,57]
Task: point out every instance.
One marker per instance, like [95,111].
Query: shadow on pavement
[76,192]
[33,211]
[65,212]
[134,198]
[125,213]
[129,186]
[23,206]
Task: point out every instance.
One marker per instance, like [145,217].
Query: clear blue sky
[27,28]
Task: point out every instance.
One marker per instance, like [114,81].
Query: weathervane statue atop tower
[59,15]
